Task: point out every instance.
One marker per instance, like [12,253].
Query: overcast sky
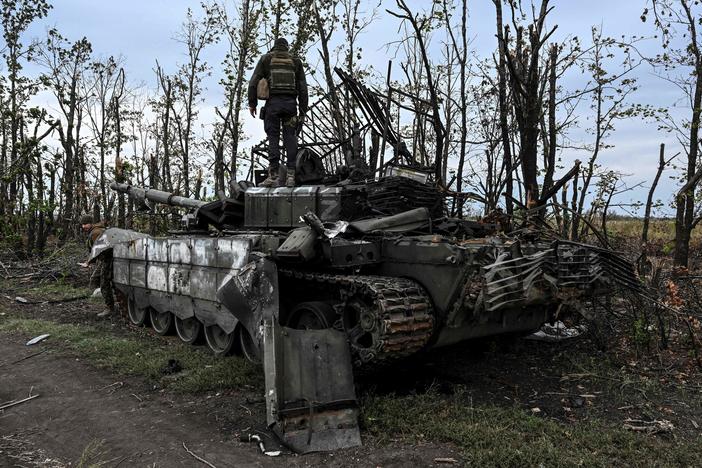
[142,31]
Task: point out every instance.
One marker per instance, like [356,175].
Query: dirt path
[77,408]
[83,412]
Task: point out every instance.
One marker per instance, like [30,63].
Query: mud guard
[110,238]
[310,397]
[251,295]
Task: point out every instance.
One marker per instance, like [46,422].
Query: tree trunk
[552,130]
[685,200]
[649,200]
[504,109]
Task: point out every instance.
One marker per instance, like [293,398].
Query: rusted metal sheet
[310,399]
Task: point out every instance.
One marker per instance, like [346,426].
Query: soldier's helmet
[86,219]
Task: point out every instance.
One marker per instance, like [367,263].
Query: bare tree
[325,17]
[504,108]
[681,19]
[527,82]
[609,92]
[459,45]
[16,17]
[163,108]
[419,25]
[195,34]
[662,163]
[100,88]
[66,64]
[240,32]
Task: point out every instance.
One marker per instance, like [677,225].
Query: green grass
[497,436]
[54,290]
[144,356]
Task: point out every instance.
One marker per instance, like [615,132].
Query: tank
[314,283]
[339,275]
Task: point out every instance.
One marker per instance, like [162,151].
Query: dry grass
[659,230]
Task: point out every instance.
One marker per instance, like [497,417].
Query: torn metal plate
[251,294]
[310,398]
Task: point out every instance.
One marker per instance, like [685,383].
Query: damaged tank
[343,272]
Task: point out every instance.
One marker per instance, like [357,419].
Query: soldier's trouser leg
[282,110]
[106,282]
[290,141]
[271,125]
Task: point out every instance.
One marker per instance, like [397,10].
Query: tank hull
[464,290]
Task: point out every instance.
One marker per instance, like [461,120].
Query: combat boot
[272,180]
[282,171]
[290,179]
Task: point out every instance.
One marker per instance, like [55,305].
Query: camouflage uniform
[287,89]
[103,264]
[95,232]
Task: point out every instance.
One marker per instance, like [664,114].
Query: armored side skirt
[180,275]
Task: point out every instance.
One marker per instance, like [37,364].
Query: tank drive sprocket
[385,318]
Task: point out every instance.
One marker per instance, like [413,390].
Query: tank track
[395,312]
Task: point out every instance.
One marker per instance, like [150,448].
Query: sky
[142,31]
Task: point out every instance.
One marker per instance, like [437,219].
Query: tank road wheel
[189,330]
[246,344]
[220,342]
[311,316]
[360,323]
[162,322]
[138,316]
[385,318]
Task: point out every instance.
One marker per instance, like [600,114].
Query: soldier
[104,266]
[287,87]
[94,230]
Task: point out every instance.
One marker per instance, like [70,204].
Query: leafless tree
[195,35]
[527,80]
[419,25]
[682,67]
[66,65]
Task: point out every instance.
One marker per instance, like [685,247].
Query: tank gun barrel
[157,196]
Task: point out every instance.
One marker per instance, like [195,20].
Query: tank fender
[251,295]
[310,396]
[110,238]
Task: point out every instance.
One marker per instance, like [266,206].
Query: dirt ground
[86,416]
[79,406]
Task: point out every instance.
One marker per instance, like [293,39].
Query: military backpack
[282,79]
